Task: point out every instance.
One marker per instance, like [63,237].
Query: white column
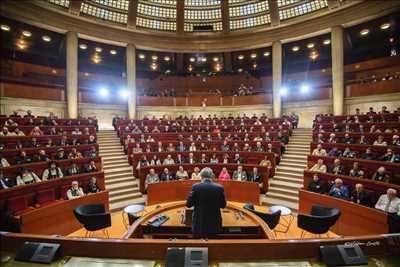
[72,74]
[131,77]
[276,77]
[337,70]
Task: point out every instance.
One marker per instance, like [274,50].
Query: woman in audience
[347,153]
[319,166]
[339,190]
[4,163]
[42,156]
[332,139]
[36,131]
[6,182]
[137,149]
[27,177]
[22,158]
[214,159]
[356,171]
[380,141]
[224,175]
[5,132]
[155,161]
[92,186]
[52,172]
[196,174]
[381,175]
[75,191]
[192,147]
[181,174]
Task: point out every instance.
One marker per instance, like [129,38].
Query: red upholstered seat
[45,197]
[18,205]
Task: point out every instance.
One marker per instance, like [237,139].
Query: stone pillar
[72,74]
[131,78]
[337,70]
[276,77]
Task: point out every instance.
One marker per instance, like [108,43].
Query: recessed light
[46,38]
[192,59]
[167,58]
[327,41]
[314,55]
[253,55]
[96,59]
[254,65]
[310,45]
[5,28]
[215,59]
[385,26]
[83,46]
[27,33]
[267,54]
[142,56]
[240,70]
[98,49]
[203,59]
[190,68]
[86,74]
[295,48]
[240,57]
[113,52]
[218,67]
[154,57]
[54,71]
[364,32]
[153,66]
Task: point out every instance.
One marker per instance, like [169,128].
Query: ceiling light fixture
[203,59]
[327,41]
[385,26]
[142,56]
[215,59]
[314,55]
[364,32]
[254,65]
[240,57]
[253,55]
[240,70]
[27,33]
[98,49]
[192,59]
[295,48]
[113,52]
[154,57]
[167,58]
[153,66]
[218,67]
[310,45]
[267,54]
[46,38]
[83,46]
[5,28]
[190,68]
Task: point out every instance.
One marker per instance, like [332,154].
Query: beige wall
[104,113]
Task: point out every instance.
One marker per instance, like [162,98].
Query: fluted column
[72,74]
[337,70]
[276,77]
[131,78]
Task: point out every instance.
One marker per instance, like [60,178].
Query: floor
[118,229]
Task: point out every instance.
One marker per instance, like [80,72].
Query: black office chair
[93,217]
[272,219]
[319,221]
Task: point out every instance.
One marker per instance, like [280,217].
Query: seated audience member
[239,174]
[224,175]
[196,174]
[181,174]
[225,147]
[92,153]
[152,177]
[381,175]
[390,203]
[91,167]
[92,140]
[6,182]
[319,166]
[27,177]
[235,147]
[361,196]
[60,155]
[179,159]
[266,162]
[335,152]
[76,131]
[75,142]
[339,190]
[92,186]
[64,141]
[29,114]
[4,163]
[53,131]
[137,149]
[237,159]
[191,159]
[155,160]
[22,158]
[72,170]
[380,141]
[42,156]
[395,140]
[337,167]
[363,141]
[181,147]
[225,159]
[347,139]
[192,147]
[166,176]
[214,159]
[5,132]
[203,158]
[332,139]
[74,154]
[33,143]
[259,147]
[203,147]
[247,147]
[319,151]
[18,145]
[320,139]
[52,172]
[347,153]
[254,176]
[368,154]
[168,160]
[18,132]
[356,171]
[170,148]
[389,156]
[143,162]
[36,131]
[75,191]
[49,143]
[316,185]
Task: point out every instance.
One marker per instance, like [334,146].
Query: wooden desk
[249,226]
[58,218]
[355,220]
[179,190]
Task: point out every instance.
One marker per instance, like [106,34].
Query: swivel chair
[93,217]
[319,221]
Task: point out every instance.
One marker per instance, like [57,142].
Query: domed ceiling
[187,16]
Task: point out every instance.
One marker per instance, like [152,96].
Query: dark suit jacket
[363,198]
[207,198]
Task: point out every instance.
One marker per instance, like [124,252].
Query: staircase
[284,186]
[119,180]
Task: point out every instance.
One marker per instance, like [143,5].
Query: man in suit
[239,174]
[361,196]
[208,199]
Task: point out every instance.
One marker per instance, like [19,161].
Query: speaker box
[343,255]
[38,252]
[187,257]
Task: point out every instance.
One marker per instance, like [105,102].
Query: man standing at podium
[207,198]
